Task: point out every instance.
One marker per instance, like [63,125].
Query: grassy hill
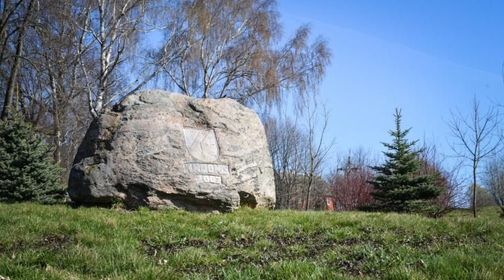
[57,242]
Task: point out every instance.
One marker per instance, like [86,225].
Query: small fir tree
[27,172]
[397,185]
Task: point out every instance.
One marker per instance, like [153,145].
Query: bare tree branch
[477,137]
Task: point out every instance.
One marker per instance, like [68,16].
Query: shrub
[27,172]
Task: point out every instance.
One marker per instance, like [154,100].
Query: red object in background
[329,203]
[352,189]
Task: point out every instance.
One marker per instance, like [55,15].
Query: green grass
[57,242]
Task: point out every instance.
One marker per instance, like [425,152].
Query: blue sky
[426,57]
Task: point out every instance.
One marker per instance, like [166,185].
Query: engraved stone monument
[165,150]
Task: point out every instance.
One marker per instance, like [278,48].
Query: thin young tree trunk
[104,60]
[6,112]
[7,13]
[474,190]
[57,135]
[310,180]
[56,119]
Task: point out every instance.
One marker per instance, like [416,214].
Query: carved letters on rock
[202,146]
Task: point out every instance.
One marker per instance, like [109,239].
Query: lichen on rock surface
[166,150]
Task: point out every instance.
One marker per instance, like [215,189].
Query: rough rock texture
[159,149]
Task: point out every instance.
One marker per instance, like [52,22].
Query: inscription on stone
[207,168]
[208,179]
[201,144]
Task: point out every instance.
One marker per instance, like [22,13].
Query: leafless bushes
[350,181]
[300,150]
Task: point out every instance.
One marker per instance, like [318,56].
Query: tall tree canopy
[230,48]
[64,62]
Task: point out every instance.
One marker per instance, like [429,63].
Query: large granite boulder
[165,150]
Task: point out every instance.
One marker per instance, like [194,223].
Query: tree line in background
[64,62]
[410,180]
[412,177]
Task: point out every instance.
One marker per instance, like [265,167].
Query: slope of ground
[57,242]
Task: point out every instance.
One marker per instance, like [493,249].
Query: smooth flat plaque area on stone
[201,144]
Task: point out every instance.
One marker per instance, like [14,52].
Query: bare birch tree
[113,26]
[494,181]
[478,136]
[299,150]
[318,148]
[58,46]
[287,144]
[229,48]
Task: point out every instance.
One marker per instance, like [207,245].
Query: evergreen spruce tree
[397,186]
[27,172]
